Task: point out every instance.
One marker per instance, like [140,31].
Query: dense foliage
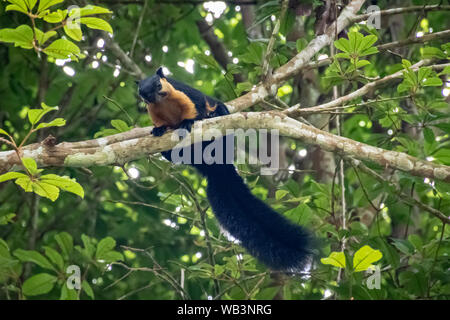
[144,230]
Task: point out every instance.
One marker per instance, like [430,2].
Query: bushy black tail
[270,237]
[267,235]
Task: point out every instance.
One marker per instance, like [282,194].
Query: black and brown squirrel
[266,234]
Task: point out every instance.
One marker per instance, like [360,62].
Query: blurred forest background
[144,230]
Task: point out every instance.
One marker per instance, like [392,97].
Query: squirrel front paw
[159,131]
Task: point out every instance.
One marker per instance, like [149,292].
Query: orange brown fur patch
[210,109]
[172,109]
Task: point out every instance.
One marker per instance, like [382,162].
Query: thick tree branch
[296,111]
[218,49]
[138,143]
[395,11]
[302,60]
[293,66]
[123,57]
[425,38]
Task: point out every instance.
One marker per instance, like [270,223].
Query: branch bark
[123,57]
[138,143]
[296,111]
[218,49]
[403,10]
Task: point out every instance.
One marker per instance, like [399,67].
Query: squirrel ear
[160,73]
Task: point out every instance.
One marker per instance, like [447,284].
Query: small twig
[120,107]
[404,197]
[150,206]
[138,28]
[276,29]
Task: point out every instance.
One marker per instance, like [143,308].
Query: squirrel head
[156,88]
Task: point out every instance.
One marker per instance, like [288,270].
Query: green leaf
[446,70]
[443,126]
[104,246]
[96,23]
[253,54]
[63,49]
[343,55]
[56,16]
[35,257]
[219,269]
[301,44]
[369,51]
[443,155]
[89,248]
[432,82]
[416,241]
[34,115]
[90,10]
[106,132]
[30,164]
[38,284]
[112,256]
[406,64]
[15,7]
[243,86]
[424,73]
[7,218]
[336,259]
[54,257]
[432,52]
[362,63]
[58,122]
[366,43]
[120,125]
[280,194]
[402,87]
[25,183]
[87,289]
[12,175]
[30,4]
[43,37]
[45,4]
[73,29]
[22,4]
[22,36]
[364,257]
[343,45]
[355,39]
[68,294]
[404,246]
[46,190]
[204,60]
[4,132]
[64,183]
[65,242]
